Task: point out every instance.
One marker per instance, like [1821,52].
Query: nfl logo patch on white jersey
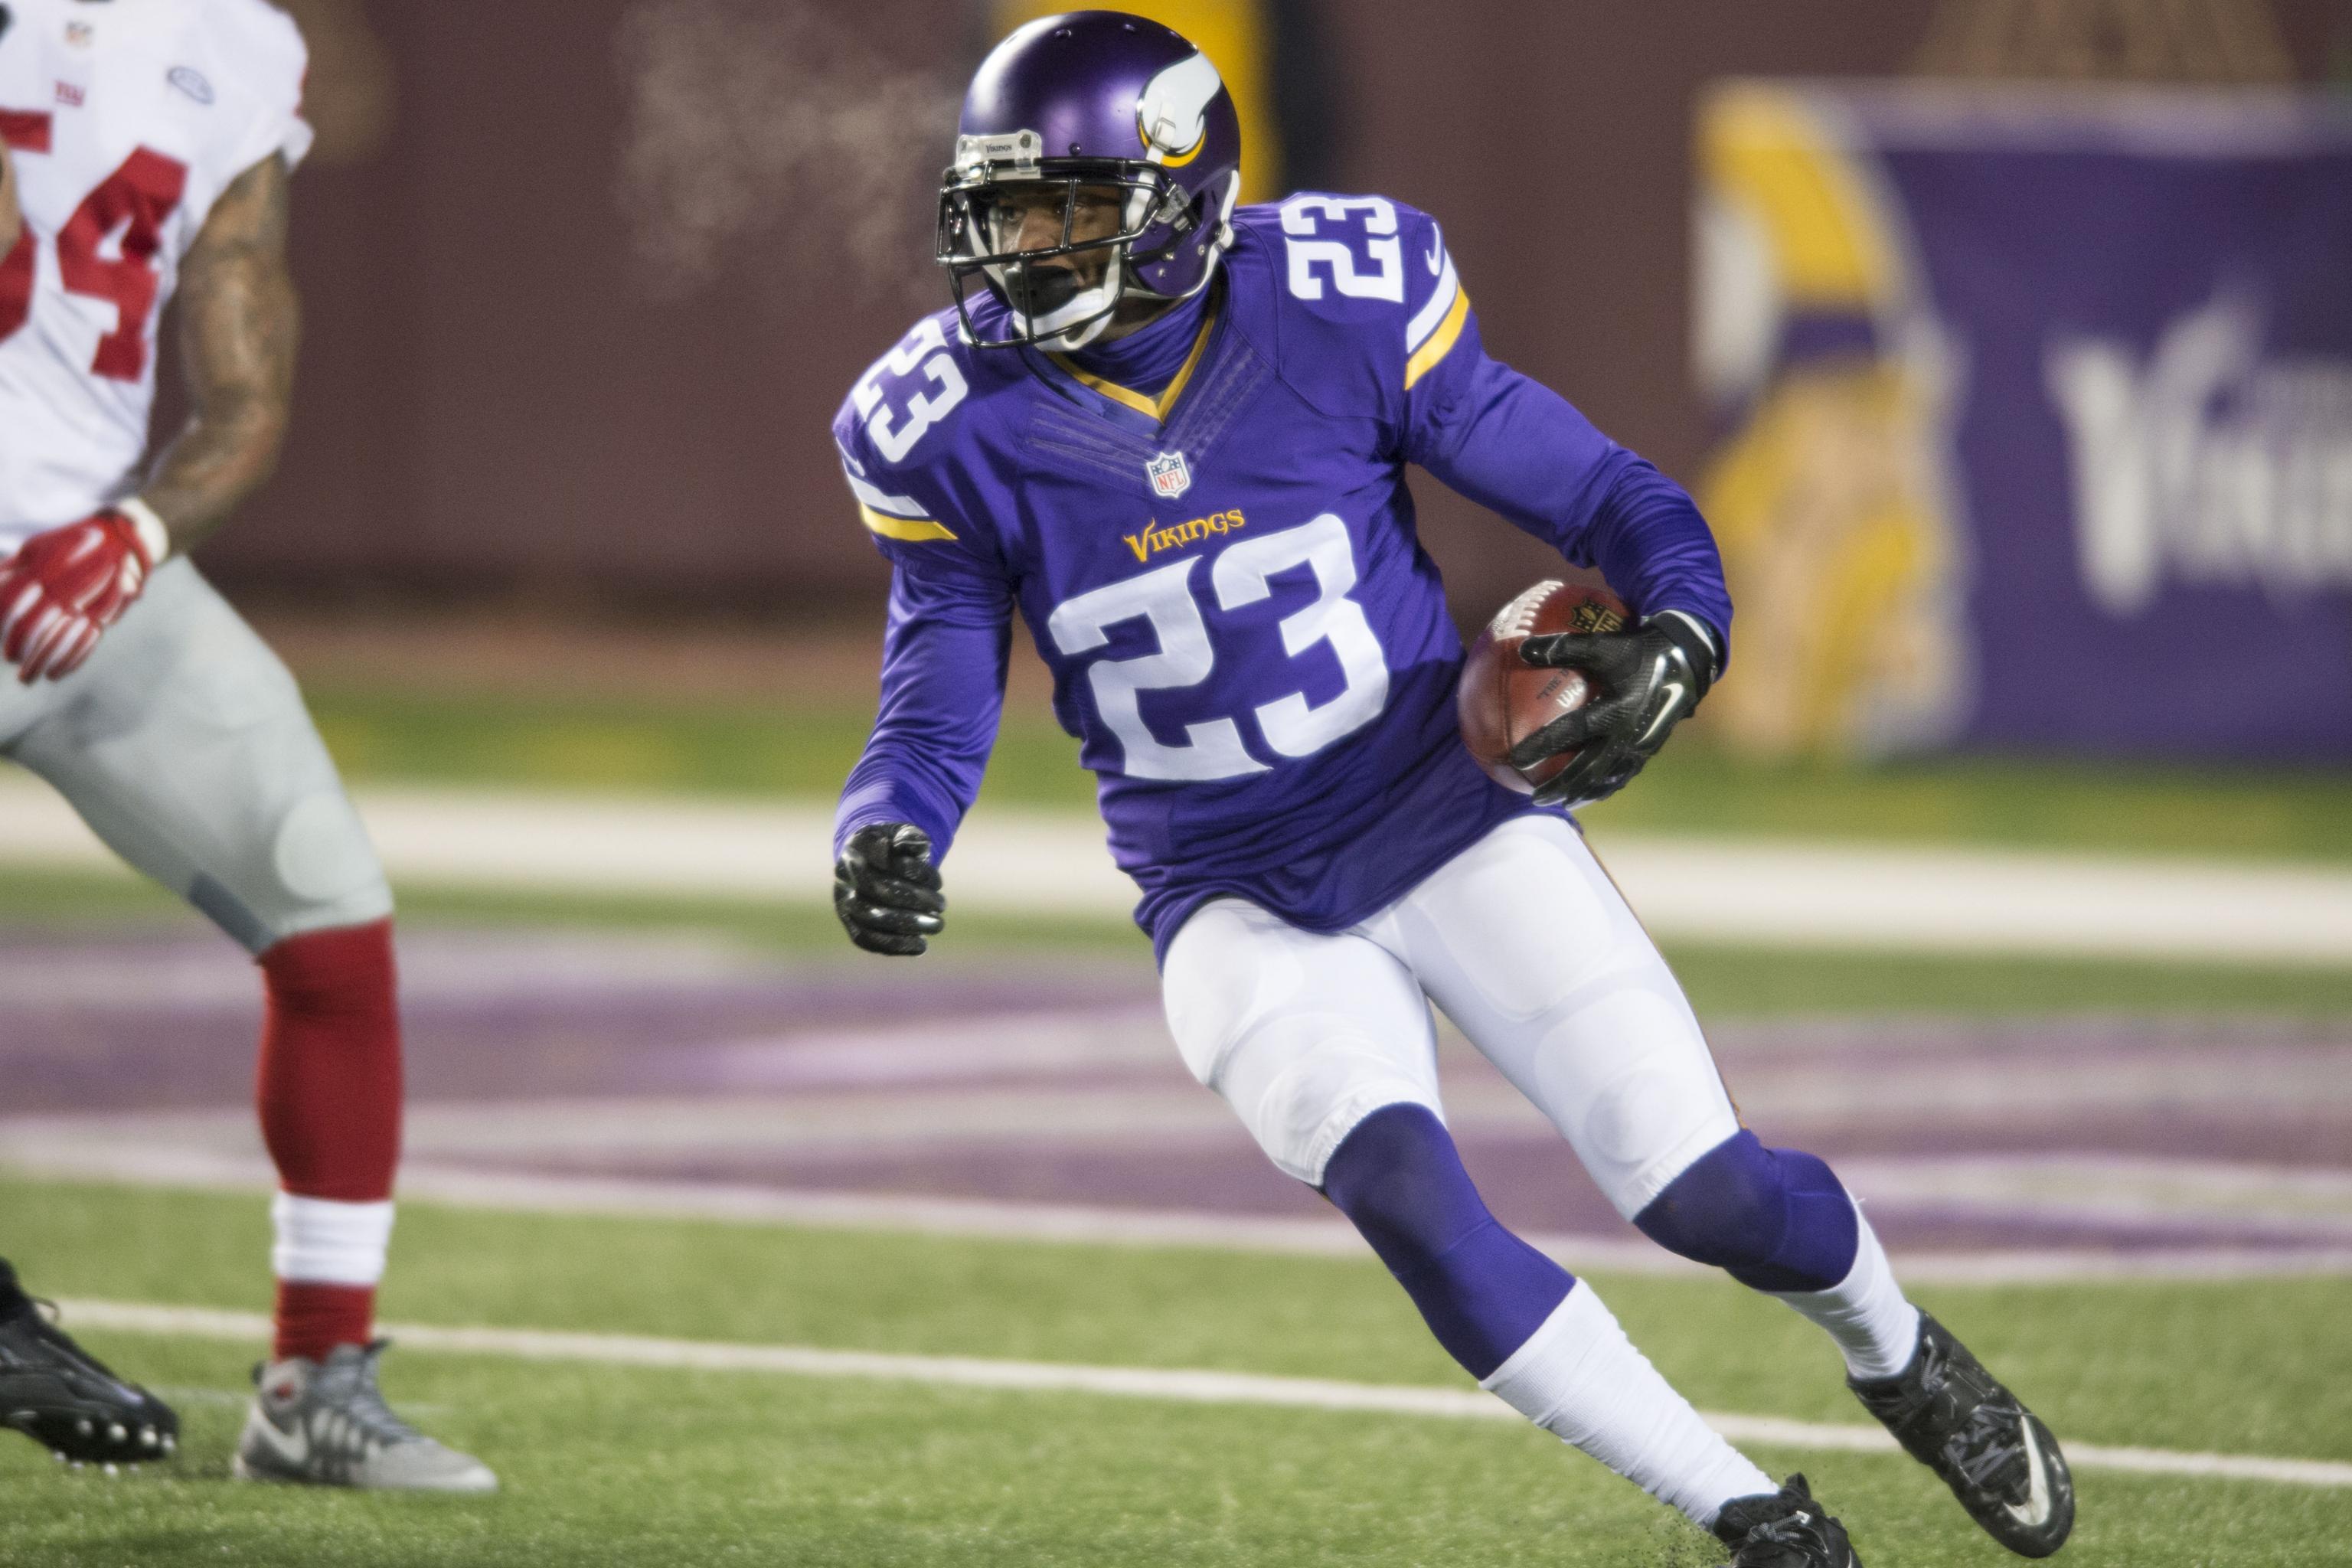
[1170,475]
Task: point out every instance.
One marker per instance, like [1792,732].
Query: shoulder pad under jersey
[906,430]
[1358,293]
[256,64]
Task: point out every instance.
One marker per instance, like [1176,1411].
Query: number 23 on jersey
[1240,576]
[893,432]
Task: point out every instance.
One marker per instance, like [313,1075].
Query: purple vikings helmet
[1098,112]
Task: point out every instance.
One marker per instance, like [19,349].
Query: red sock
[312,1320]
[329,1092]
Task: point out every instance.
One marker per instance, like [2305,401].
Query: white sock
[1876,1329]
[322,1242]
[1581,1379]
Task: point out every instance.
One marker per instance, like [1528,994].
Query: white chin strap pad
[1080,321]
[1079,337]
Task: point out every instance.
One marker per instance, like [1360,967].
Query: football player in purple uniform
[1172,435]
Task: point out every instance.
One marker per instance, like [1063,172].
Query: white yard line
[1133,1383]
[1893,897]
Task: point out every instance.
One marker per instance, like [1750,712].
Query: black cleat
[2000,1461]
[64,1398]
[1785,1528]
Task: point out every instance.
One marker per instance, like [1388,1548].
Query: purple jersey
[1244,632]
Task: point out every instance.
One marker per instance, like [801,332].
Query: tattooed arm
[239,324]
[11,220]
[12,217]
[238,320]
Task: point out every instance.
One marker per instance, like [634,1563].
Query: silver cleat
[324,1424]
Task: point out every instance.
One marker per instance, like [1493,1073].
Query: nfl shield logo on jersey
[1171,475]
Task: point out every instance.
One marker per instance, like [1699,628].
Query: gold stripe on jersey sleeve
[906,528]
[1424,358]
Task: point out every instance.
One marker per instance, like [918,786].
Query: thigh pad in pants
[1303,1035]
[184,744]
[1529,947]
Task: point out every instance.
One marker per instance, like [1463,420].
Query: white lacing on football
[1517,619]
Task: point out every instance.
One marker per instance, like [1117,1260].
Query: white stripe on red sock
[321,1241]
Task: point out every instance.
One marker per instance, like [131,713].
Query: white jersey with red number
[125,120]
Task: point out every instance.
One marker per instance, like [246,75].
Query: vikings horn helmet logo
[1119,130]
[1173,115]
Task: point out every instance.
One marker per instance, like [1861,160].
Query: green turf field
[611,1465]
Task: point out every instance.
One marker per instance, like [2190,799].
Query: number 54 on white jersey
[123,125]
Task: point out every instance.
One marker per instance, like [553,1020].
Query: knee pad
[1775,1219]
[312,869]
[1481,1290]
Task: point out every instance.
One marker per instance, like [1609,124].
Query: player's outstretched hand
[64,587]
[1649,677]
[886,889]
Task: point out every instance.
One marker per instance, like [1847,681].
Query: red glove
[65,587]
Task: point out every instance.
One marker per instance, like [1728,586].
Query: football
[1501,701]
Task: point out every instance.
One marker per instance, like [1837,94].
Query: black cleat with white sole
[64,1398]
[1785,1528]
[2000,1461]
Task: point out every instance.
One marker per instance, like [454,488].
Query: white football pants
[183,742]
[1529,948]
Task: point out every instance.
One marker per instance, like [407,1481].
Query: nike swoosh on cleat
[2034,1511]
[295,1450]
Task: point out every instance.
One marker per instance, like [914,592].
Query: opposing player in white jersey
[148,145]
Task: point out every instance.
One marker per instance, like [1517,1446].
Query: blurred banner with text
[2040,406]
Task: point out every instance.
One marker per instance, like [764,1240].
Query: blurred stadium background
[2007,343]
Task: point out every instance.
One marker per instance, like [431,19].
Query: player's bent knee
[1399,1177]
[1726,1209]
[1316,1098]
[319,873]
[1776,1219]
[1639,1119]
[1482,1290]
[325,860]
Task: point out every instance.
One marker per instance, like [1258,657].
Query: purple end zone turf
[1052,1081]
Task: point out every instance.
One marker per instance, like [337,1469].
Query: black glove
[1649,680]
[886,889]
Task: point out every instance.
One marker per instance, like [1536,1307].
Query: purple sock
[1775,1219]
[1481,1290]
